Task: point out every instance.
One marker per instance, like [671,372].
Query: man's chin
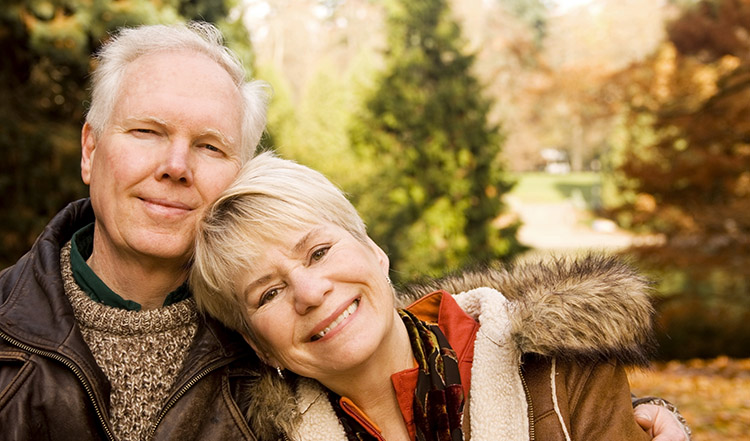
[165,250]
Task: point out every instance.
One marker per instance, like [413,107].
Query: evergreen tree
[435,202]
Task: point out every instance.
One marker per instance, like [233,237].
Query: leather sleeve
[592,399]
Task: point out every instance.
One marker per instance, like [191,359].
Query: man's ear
[88,146]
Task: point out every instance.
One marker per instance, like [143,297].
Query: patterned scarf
[438,398]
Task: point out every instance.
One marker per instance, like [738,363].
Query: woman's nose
[310,292]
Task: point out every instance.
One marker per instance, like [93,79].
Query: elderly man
[99,336]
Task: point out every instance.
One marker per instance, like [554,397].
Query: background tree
[46,46]
[686,169]
[577,97]
[532,12]
[435,202]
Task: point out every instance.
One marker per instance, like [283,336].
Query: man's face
[169,148]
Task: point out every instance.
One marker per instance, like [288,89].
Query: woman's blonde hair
[269,197]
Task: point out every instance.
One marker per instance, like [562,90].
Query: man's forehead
[158,88]
[186,68]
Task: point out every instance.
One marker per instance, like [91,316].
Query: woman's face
[320,303]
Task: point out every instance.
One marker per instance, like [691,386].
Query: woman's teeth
[347,312]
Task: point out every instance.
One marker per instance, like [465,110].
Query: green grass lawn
[538,187]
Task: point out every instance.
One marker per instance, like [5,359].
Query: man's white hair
[130,43]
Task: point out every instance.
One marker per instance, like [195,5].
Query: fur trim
[592,307]
[269,404]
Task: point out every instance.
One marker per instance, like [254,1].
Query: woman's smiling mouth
[347,312]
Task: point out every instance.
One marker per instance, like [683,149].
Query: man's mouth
[165,203]
[347,312]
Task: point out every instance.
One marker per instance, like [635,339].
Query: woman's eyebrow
[303,243]
[257,282]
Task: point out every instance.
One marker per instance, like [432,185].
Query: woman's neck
[370,387]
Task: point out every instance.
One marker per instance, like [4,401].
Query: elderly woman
[284,259]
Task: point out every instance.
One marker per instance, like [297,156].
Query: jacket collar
[592,307]
[35,309]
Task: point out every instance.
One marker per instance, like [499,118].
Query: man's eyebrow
[226,140]
[146,119]
[218,134]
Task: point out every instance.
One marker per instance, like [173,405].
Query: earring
[278,371]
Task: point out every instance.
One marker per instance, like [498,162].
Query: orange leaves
[713,395]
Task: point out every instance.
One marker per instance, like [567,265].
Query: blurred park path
[565,226]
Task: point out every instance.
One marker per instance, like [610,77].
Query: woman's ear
[264,356]
[385,263]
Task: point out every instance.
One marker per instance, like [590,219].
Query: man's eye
[319,253]
[211,148]
[268,296]
[144,131]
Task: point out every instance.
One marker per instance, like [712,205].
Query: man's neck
[144,282]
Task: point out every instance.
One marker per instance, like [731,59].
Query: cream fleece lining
[498,409]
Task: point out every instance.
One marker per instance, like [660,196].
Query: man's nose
[176,163]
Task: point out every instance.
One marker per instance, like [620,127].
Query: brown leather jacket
[51,388]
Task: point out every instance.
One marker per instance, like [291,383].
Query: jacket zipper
[197,377]
[531,405]
[73,367]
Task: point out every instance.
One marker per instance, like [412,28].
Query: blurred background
[466,132]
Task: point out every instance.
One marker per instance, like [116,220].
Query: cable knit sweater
[140,352]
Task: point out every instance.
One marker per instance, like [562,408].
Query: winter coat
[51,387]
[548,357]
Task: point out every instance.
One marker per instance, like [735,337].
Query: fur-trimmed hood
[593,307]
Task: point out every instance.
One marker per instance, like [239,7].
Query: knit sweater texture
[140,352]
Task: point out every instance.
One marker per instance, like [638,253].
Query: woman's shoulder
[594,307]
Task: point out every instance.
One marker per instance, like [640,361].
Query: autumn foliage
[711,394]
[686,168]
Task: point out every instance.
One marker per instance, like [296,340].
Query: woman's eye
[268,296]
[319,253]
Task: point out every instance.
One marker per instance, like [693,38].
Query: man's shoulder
[44,255]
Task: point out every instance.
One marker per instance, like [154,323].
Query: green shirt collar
[82,244]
